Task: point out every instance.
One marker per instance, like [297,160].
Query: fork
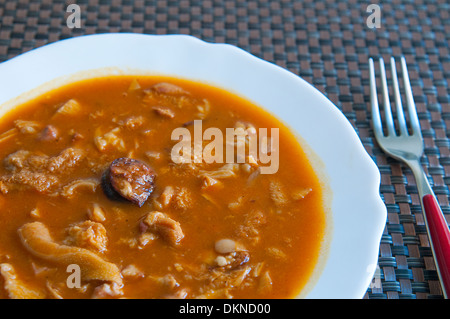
[407,146]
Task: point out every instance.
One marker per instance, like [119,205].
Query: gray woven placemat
[328,44]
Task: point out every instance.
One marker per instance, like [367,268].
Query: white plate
[357,213]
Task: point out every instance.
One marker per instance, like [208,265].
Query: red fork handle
[440,239]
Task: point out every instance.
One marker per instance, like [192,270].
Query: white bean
[221,261]
[225,246]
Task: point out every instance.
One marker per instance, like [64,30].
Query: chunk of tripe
[37,240]
[15,287]
[159,223]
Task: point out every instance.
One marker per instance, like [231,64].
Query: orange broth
[277,221]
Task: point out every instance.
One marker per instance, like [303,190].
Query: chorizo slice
[129,179]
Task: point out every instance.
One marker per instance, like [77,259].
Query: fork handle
[440,239]
[437,227]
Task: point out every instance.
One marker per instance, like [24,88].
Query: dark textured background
[328,44]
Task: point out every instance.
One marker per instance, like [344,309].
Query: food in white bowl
[130,178]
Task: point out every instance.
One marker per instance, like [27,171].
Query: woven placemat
[328,44]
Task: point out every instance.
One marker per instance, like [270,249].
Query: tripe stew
[93,203]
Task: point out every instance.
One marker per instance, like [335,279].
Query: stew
[97,201]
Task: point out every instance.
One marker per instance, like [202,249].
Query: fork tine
[415,124]
[398,102]
[386,101]
[376,118]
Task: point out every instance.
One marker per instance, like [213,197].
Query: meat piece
[164,111]
[168,281]
[49,133]
[88,234]
[67,159]
[110,139]
[26,179]
[129,179]
[226,171]
[277,194]
[169,88]
[22,159]
[179,198]
[276,253]
[239,258]
[134,122]
[209,183]
[37,240]
[159,223]
[90,184]
[75,136]
[38,171]
[131,271]
[239,275]
[27,127]
[182,199]
[15,288]
[250,228]
[107,291]
[166,196]
[97,214]
[225,278]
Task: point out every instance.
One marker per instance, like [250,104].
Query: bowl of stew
[140,166]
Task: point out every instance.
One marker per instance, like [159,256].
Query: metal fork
[408,148]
